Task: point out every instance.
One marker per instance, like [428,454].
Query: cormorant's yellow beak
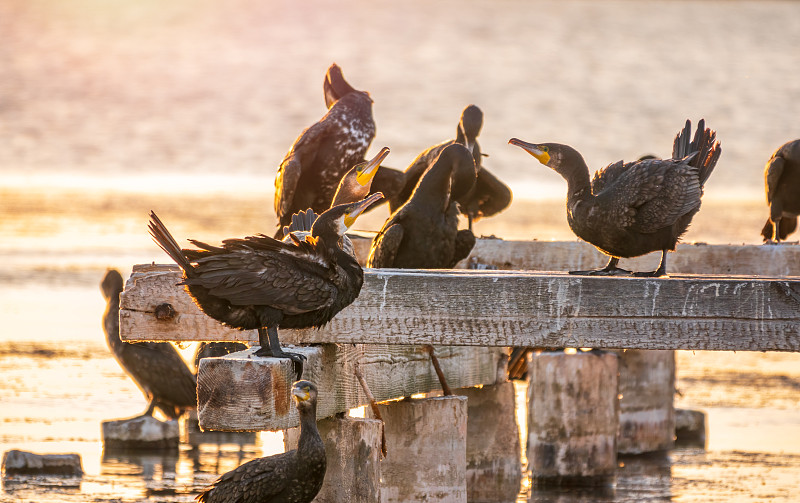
[536,151]
[359,208]
[301,393]
[366,171]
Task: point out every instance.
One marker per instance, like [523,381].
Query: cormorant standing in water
[258,282]
[156,367]
[486,197]
[322,154]
[630,209]
[782,184]
[423,233]
[291,477]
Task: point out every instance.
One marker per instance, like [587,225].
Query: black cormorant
[782,184]
[324,152]
[486,197]
[423,233]
[156,367]
[295,476]
[258,282]
[630,209]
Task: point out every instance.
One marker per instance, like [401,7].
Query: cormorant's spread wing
[302,154]
[772,175]
[385,245]
[256,480]
[651,194]
[263,271]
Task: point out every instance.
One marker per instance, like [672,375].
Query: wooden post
[353,452]
[494,472]
[427,448]
[573,413]
[646,409]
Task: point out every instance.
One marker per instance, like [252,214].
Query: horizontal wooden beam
[242,391]
[513,308]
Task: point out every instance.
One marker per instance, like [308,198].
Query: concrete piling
[646,409]
[573,413]
[353,452]
[427,448]
[494,472]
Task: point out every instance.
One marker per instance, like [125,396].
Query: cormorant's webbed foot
[610,269]
[661,271]
[271,347]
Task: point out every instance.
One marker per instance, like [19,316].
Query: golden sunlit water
[109,109]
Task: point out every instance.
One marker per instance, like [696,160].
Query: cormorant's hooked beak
[301,391]
[359,208]
[535,150]
[366,171]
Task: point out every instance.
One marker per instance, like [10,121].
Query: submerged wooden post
[494,471]
[646,407]
[426,450]
[353,452]
[573,414]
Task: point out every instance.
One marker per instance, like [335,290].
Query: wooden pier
[506,294]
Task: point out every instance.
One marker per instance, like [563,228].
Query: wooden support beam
[242,391]
[512,308]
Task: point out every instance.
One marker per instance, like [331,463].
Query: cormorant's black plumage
[487,196]
[423,233]
[156,367]
[258,282]
[782,184]
[322,154]
[630,209]
[295,476]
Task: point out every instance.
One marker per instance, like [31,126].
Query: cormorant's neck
[111,322]
[576,174]
[309,435]
[433,190]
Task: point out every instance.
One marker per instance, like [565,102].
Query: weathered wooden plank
[689,258]
[245,392]
[515,308]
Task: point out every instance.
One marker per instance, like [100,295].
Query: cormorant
[354,186]
[295,476]
[630,209]
[322,154]
[258,282]
[782,184]
[423,233]
[486,197]
[156,367]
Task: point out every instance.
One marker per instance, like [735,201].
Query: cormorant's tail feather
[164,239]
[704,145]
[301,221]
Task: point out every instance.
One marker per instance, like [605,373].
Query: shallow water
[109,109]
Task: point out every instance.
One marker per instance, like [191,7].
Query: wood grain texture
[241,391]
[514,308]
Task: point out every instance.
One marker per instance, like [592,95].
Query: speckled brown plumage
[782,185]
[630,209]
[423,233]
[156,367]
[292,477]
[257,281]
[310,173]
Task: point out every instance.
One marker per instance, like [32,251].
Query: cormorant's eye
[545,149]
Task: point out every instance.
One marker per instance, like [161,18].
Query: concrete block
[494,471]
[426,450]
[16,462]
[646,409]
[353,451]
[141,432]
[573,414]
